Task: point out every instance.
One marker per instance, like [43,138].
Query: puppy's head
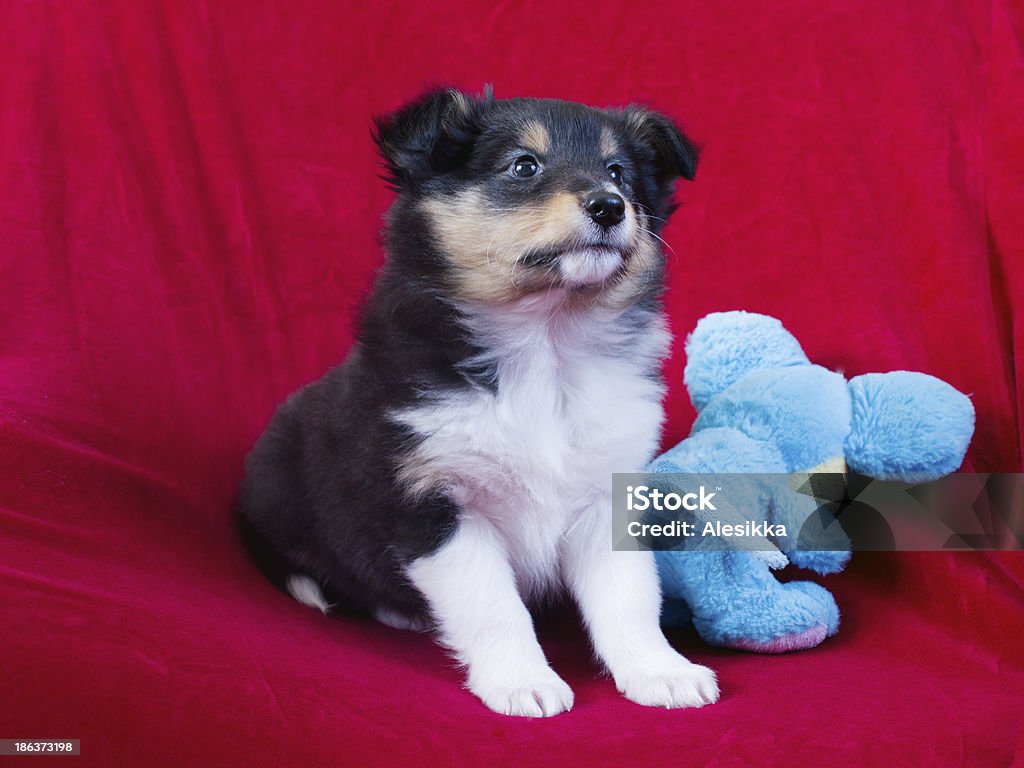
[519,196]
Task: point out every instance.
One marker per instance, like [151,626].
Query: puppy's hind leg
[471,590]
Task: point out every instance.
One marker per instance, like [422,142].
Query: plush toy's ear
[907,426]
[725,346]
[675,155]
[430,135]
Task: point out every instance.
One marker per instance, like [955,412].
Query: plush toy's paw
[820,561]
[669,681]
[788,617]
[800,641]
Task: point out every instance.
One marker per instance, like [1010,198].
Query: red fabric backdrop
[189,217]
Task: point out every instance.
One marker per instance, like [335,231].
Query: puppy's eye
[524,167]
[615,171]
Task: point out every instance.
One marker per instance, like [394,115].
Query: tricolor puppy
[457,465]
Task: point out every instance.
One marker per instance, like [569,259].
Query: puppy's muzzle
[606,208]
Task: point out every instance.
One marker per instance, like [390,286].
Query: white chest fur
[572,406]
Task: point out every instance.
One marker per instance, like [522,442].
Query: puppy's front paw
[673,683]
[542,694]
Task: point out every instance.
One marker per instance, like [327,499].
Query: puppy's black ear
[674,153]
[430,135]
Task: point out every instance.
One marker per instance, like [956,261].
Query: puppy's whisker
[656,218]
[662,240]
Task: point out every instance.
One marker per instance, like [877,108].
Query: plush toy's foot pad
[797,642]
[769,617]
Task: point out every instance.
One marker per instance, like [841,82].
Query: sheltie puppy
[457,465]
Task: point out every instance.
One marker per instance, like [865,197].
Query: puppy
[458,464]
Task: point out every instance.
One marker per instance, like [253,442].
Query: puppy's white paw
[673,683]
[539,695]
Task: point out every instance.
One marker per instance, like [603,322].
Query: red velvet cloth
[189,217]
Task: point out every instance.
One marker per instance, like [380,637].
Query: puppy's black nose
[606,208]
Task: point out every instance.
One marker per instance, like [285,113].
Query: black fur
[320,495]
[429,136]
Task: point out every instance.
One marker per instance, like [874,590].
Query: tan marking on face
[535,138]
[483,245]
[608,146]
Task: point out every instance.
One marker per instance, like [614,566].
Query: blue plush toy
[764,408]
